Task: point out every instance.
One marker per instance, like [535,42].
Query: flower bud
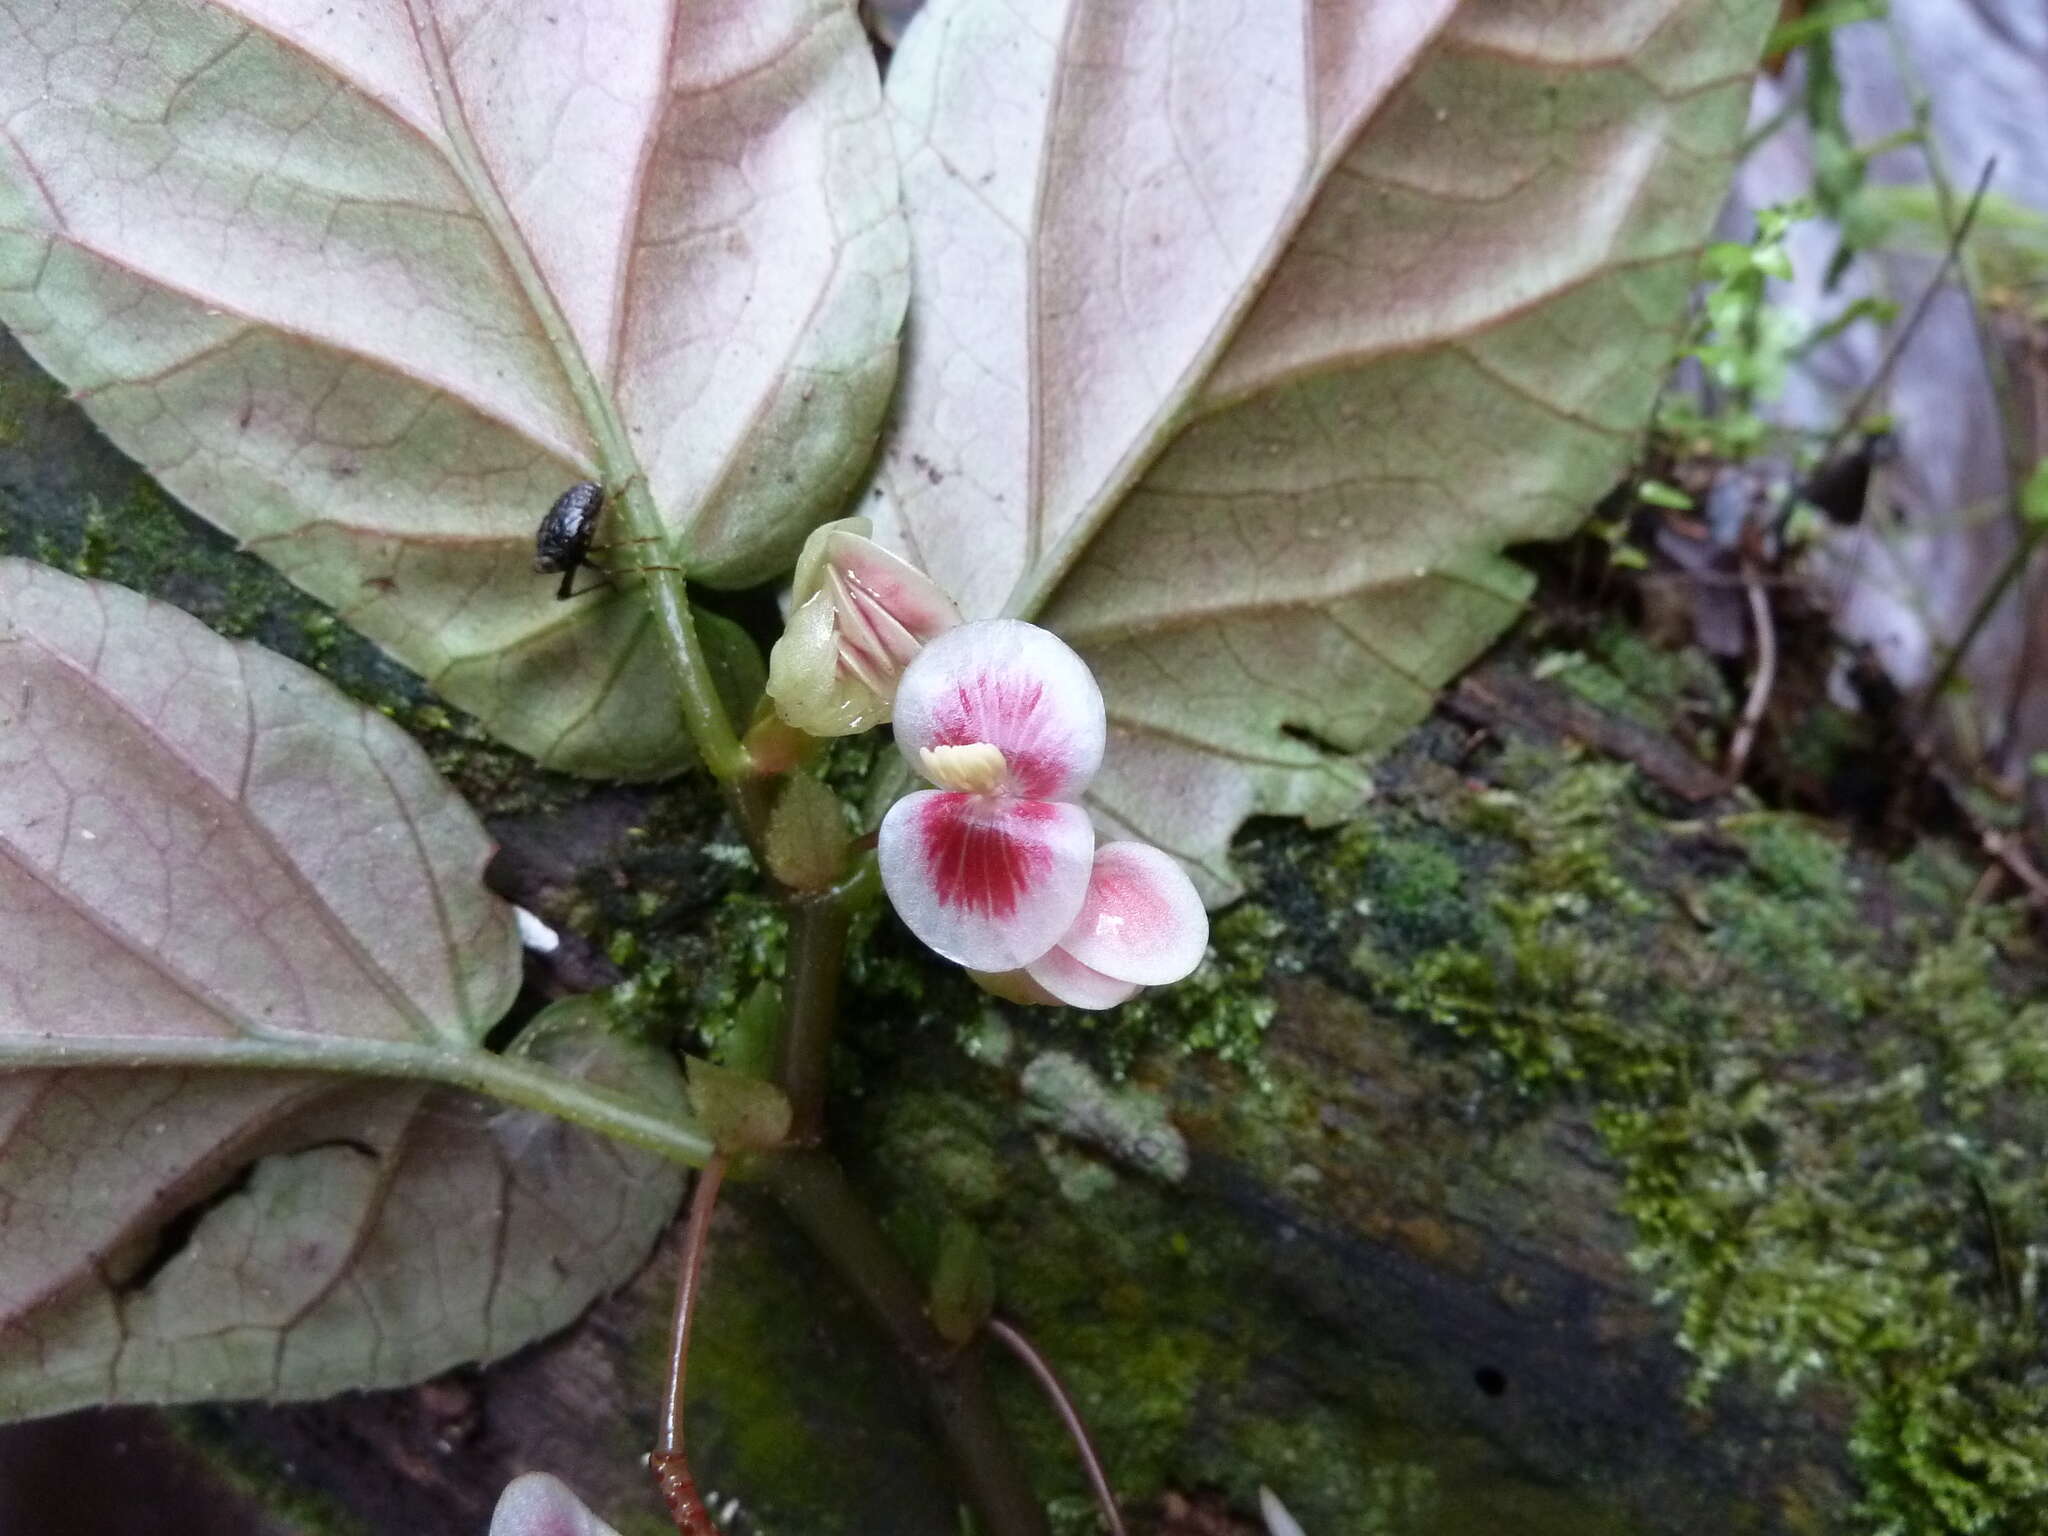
[859,614]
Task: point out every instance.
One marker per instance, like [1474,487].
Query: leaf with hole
[249,959]
[1244,340]
[369,287]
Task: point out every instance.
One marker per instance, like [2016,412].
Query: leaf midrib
[608,435]
[238,812]
[1041,581]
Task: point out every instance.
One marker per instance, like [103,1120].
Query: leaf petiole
[505,1078]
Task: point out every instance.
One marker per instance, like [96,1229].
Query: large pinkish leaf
[173,1236]
[1245,338]
[370,285]
[246,949]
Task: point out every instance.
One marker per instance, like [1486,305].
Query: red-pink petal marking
[982,866]
[1013,685]
[989,881]
[1143,920]
[882,582]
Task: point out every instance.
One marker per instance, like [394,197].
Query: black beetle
[563,540]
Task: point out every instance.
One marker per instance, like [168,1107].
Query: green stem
[809,1185]
[505,1078]
[818,926]
[2022,552]
[703,711]
[817,954]
[814,1193]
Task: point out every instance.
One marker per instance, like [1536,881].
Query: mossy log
[1549,1150]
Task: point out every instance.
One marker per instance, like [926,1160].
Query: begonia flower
[1141,925]
[859,614]
[992,867]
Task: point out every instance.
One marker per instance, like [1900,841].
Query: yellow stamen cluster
[974,768]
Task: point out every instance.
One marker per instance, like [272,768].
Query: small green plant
[1746,343]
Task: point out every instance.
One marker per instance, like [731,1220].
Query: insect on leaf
[1244,339]
[370,286]
[246,938]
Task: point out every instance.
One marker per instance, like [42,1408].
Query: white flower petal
[1016,686]
[535,934]
[988,881]
[1067,980]
[1278,1521]
[811,690]
[809,575]
[539,1505]
[1143,920]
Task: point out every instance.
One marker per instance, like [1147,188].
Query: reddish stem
[670,1466]
[1070,1415]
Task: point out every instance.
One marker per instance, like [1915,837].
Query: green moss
[1531,969]
[1871,1224]
[1382,1493]
[259,1476]
[1222,1011]
[1157,1305]
[792,1402]
[1665,680]
[1821,1108]
[952,1142]
[1411,886]
[703,977]
[1795,858]
[1622,674]
[1791,920]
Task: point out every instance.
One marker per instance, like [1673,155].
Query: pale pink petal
[886,584]
[1066,979]
[987,881]
[1013,685]
[1143,921]
[811,690]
